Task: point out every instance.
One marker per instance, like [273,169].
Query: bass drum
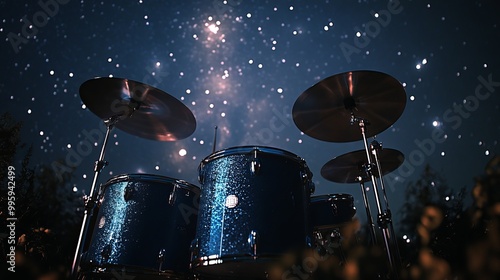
[144,227]
[253,209]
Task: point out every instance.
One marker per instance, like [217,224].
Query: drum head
[151,178]
[252,150]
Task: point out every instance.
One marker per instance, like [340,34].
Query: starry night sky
[240,65]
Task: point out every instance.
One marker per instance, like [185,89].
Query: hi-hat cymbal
[142,110]
[324,110]
[348,167]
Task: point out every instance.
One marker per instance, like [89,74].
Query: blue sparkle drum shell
[331,210]
[253,209]
[144,228]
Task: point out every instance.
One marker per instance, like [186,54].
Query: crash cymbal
[324,110]
[348,167]
[142,110]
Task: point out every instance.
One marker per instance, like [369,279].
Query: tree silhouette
[45,208]
[430,218]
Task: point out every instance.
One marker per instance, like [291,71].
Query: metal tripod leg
[385,232]
[90,205]
[368,212]
[376,146]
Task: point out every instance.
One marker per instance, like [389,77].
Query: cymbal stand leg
[368,212]
[336,238]
[375,147]
[90,202]
[381,214]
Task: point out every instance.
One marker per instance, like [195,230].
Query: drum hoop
[249,149]
[336,197]
[138,177]
[105,269]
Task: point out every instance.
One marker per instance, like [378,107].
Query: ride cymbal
[139,109]
[324,111]
[348,168]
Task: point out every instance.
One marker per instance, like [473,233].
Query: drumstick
[215,140]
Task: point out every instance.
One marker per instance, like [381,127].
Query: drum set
[254,205]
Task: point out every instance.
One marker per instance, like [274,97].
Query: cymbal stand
[90,201]
[375,148]
[383,219]
[368,211]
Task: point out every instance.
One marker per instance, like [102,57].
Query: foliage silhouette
[45,208]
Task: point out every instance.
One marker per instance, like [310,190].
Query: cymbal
[324,110]
[348,167]
[140,109]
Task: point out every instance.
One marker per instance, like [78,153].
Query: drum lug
[253,239]
[308,241]
[161,258]
[173,194]
[255,163]
[304,176]
[255,166]
[127,193]
[335,210]
[100,195]
[195,249]
[106,252]
[312,187]
[201,175]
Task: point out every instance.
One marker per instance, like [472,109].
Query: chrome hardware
[255,164]
[161,258]
[127,193]
[308,241]
[106,252]
[335,238]
[201,173]
[312,187]
[173,194]
[195,249]
[335,210]
[306,176]
[252,241]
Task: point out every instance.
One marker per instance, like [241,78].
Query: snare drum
[253,209]
[144,227]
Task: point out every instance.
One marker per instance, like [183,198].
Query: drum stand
[330,238]
[90,202]
[384,216]
[376,147]
[367,207]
